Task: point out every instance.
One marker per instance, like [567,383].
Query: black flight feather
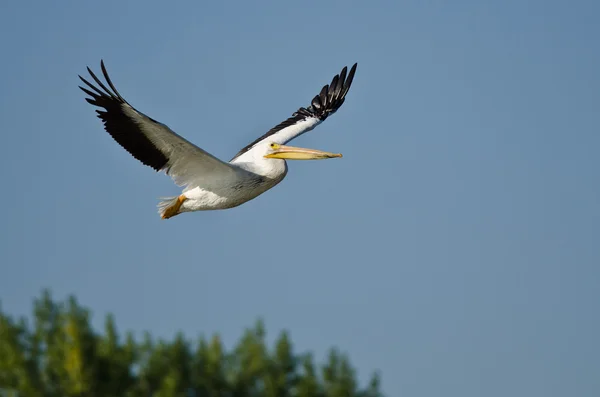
[329,100]
[124,130]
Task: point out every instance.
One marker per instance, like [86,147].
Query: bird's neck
[268,168]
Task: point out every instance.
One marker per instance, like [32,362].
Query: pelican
[209,183]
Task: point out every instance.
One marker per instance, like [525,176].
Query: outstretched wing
[149,141]
[329,100]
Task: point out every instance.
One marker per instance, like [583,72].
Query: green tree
[16,372]
[61,355]
[114,360]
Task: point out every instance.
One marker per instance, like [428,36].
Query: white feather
[188,164]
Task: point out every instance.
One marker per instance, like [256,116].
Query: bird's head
[278,151]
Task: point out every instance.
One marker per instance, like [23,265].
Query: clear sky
[455,247]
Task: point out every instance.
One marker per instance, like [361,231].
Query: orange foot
[174,209]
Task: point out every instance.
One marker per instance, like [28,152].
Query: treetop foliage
[60,355]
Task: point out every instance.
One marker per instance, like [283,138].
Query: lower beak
[298,153]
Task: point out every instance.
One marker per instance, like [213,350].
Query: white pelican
[209,183]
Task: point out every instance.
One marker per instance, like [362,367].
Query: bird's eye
[273,146]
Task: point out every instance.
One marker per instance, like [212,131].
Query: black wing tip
[332,95]
[350,76]
[118,124]
[352,69]
[101,65]
[103,92]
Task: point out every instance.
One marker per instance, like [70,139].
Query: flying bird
[209,183]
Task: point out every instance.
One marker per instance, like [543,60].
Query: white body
[252,175]
[247,183]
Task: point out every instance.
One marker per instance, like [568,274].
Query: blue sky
[454,247]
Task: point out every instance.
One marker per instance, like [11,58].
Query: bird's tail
[165,204]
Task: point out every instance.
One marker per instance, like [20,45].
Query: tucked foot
[173,209]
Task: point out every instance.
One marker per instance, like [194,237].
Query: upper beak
[298,153]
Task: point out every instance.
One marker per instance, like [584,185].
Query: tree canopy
[57,353]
